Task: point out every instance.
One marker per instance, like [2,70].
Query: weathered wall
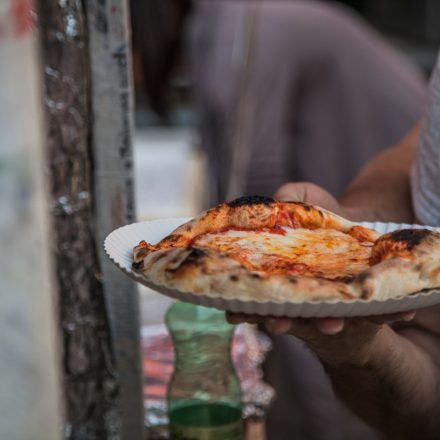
[29,362]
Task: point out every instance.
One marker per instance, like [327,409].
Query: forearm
[381,191]
[393,386]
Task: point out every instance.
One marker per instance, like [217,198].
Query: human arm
[380,192]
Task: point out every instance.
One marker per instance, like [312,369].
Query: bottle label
[231,431]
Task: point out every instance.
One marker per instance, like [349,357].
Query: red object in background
[21,11]
[158,365]
[15,18]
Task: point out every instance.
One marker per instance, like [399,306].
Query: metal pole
[29,364]
[112,105]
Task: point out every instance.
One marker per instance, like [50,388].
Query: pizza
[257,248]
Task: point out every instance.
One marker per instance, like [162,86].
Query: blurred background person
[283,91]
[294,90]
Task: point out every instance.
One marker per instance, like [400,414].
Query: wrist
[389,376]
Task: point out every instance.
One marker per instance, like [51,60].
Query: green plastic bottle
[204,397]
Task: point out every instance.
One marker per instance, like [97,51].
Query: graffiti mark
[15,18]
[21,12]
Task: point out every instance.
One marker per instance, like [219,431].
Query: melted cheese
[320,252]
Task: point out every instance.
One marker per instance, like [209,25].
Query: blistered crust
[403,262]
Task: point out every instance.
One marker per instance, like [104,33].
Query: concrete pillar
[30,407]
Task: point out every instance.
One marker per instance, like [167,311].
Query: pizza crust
[203,273]
[402,262]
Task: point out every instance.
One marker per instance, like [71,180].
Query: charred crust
[307,207]
[137,265]
[196,252]
[411,237]
[256,276]
[173,238]
[251,200]
[233,278]
[363,276]
[192,258]
[347,279]
[293,202]
[365,293]
[141,253]
[293,280]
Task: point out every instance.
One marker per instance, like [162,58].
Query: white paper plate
[119,246]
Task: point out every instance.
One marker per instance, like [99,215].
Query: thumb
[292,192]
[309,193]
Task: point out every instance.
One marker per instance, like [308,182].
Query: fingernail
[330,326]
[408,316]
[278,325]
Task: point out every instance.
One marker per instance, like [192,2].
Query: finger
[329,326]
[309,193]
[304,327]
[390,317]
[278,325]
[291,191]
[408,316]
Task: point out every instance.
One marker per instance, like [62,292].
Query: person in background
[284,91]
[294,91]
[386,368]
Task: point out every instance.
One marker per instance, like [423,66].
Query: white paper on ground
[119,247]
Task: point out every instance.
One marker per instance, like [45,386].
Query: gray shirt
[425,173]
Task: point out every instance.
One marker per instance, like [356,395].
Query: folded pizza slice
[256,248]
